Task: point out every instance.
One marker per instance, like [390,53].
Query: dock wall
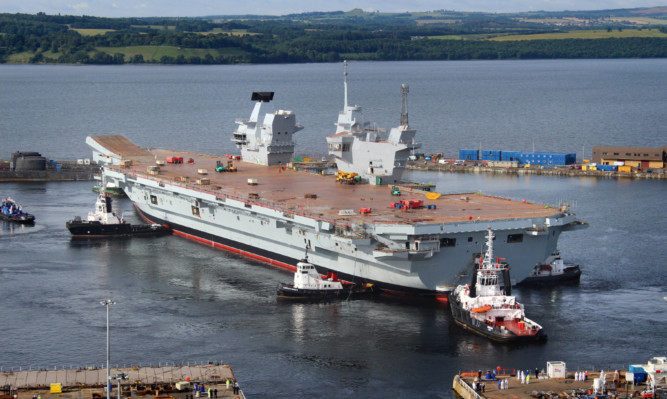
[463,389]
[566,172]
[66,171]
[40,379]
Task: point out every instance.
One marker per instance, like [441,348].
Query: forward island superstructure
[270,142]
[270,212]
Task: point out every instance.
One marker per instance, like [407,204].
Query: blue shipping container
[491,155]
[546,158]
[510,156]
[469,155]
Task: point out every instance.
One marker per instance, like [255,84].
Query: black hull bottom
[572,277]
[463,319]
[276,259]
[99,230]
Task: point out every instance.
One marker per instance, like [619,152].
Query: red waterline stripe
[225,247]
[236,250]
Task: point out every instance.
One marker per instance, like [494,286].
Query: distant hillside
[332,36]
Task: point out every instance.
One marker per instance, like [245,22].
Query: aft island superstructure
[374,155]
[269,211]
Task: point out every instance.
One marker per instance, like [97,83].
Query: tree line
[49,39]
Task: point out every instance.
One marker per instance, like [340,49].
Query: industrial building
[636,157]
[531,158]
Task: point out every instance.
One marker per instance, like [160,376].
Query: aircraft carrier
[419,242]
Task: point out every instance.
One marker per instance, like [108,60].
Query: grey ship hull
[263,233]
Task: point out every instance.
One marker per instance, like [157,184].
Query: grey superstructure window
[513,238]
[448,242]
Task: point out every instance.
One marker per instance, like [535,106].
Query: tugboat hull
[100,230]
[571,276]
[289,291]
[496,332]
[20,219]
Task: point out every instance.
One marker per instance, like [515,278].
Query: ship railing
[344,231]
[384,248]
[336,223]
[341,227]
[404,250]
[545,204]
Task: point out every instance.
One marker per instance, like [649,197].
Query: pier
[56,171]
[535,170]
[465,385]
[164,382]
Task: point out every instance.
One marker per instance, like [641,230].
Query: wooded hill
[333,36]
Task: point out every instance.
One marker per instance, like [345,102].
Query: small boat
[103,222]
[309,284]
[552,271]
[110,188]
[488,309]
[13,212]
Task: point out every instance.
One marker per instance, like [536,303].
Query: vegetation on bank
[332,36]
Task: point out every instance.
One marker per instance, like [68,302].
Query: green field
[640,20]
[20,58]
[155,53]
[475,36]
[233,32]
[150,53]
[92,32]
[586,34]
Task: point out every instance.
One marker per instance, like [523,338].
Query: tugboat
[487,309]
[552,271]
[103,222]
[13,212]
[309,284]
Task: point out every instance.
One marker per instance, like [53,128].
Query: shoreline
[70,171]
[58,171]
[656,174]
[164,381]
[564,386]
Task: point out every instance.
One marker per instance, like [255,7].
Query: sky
[198,8]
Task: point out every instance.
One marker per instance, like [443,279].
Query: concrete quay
[141,382]
[66,171]
[544,387]
[659,174]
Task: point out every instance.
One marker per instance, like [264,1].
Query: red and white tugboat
[489,310]
[309,284]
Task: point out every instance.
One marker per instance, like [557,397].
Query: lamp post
[107,303]
[119,378]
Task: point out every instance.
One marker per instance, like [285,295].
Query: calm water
[181,301]
[562,105]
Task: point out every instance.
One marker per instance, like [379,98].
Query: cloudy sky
[194,8]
